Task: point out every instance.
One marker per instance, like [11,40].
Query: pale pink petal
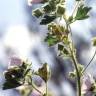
[35,94]
[30,2]
[87,82]
[15,61]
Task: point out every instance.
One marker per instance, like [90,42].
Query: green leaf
[13,73]
[56,29]
[60,10]
[47,8]
[70,19]
[47,19]
[15,76]
[63,50]
[51,40]
[44,1]
[94,41]
[82,12]
[80,68]
[60,47]
[72,74]
[44,95]
[44,72]
[37,12]
[11,84]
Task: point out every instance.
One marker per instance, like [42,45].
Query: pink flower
[15,61]
[35,94]
[34,1]
[87,82]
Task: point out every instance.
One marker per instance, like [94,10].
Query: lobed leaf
[82,13]
[51,40]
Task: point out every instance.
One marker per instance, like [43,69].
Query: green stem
[76,6]
[73,56]
[71,47]
[33,86]
[78,75]
[46,89]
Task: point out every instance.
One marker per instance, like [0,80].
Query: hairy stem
[73,56]
[77,73]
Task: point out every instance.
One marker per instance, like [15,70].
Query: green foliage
[80,69]
[54,35]
[47,8]
[47,19]
[15,76]
[11,84]
[94,41]
[49,11]
[60,10]
[70,19]
[44,1]
[37,13]
[72,74]
[44,95]
[62,35]
[63,50]
[51,40]
[82,12]
[57,34]
[50,6]
[44,72]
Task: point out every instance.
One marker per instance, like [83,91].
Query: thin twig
[89,63]
[37,90]
[77,4]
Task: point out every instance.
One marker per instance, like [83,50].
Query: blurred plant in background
[21,74]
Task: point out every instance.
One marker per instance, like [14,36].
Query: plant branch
[77,73]
[33,86]
[76,6]
[46,89]
[89,62]
[71,47]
